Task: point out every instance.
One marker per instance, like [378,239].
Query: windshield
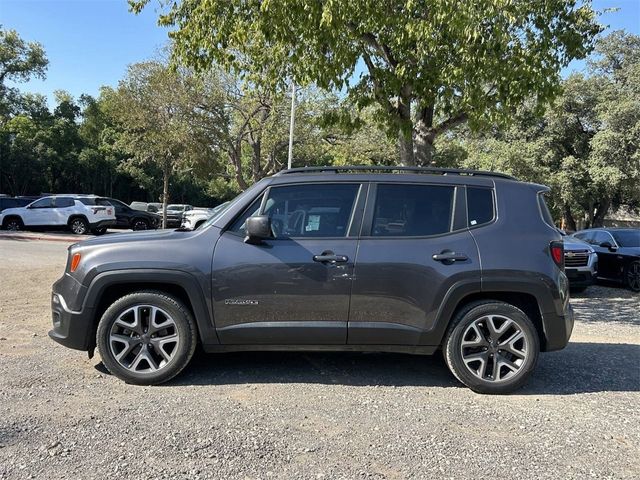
[216,212]
[627,238]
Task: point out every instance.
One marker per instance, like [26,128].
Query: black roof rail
[387,169]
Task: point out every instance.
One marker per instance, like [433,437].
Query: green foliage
[428,65]
[587,146]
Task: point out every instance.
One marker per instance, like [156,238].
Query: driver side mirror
[258,229]
[609,246]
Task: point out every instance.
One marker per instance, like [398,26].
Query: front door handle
[330,257]
[448,257]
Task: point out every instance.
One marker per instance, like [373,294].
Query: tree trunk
[405,133]
[568,222]
[405,146]
[166,171]
[424,136]
[601,212]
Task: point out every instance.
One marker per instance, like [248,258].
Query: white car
[79,213]
[192,219]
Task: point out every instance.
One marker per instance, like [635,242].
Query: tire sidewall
[626,276]
[453,349]
[139,221]
[18,222]
[185,327]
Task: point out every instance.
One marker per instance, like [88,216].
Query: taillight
[557,253]
[75,261]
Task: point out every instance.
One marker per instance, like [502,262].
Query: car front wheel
[492,347]
[146,338]
[12,224]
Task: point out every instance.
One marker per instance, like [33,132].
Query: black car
[618,252]
[130,218]
[332,258]
[15,202]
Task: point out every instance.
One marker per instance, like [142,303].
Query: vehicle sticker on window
[313,224]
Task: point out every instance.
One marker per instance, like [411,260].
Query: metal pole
[293,114]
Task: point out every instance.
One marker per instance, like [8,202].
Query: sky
[90,43]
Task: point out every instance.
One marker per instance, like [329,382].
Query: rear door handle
[448,257]
[330,257]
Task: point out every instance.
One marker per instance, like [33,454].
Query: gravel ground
[315,415]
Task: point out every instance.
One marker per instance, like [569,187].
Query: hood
[137,237]
[14,210]
[572,243]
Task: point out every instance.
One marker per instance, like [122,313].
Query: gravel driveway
[320,415]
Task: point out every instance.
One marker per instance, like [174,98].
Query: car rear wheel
[492,347]
[146,338]
[632,276]
[79,226]
[139,224]
[13,224]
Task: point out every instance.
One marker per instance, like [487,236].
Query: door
[415,246]
[294,288]
[63,208]
[609,265]
[40,212]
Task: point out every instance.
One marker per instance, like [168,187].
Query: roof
[377,169]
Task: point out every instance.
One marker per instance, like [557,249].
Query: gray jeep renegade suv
[396,259]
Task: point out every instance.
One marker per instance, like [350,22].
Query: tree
[150,107]
[586,147]
[428,65]
[19,60]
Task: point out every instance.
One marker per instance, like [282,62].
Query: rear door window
[64,202]
[403,210]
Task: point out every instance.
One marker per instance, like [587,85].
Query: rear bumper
[557,329]
[103,223]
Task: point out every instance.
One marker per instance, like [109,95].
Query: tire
[139,224]
[632,276]
[474,364]
[137,356]
[79,226]
[13,224]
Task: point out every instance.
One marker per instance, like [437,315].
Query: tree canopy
[428,65]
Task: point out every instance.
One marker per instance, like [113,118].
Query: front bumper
[73,329]
[580,277]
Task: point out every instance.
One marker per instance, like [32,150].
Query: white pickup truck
[78,213]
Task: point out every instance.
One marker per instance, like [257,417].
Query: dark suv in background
[410,260]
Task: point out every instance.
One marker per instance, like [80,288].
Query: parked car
[192,219]
[333,258]
[79,213]
[128,217]
[174,214]
[15,202]
[618,251]
[580,263]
